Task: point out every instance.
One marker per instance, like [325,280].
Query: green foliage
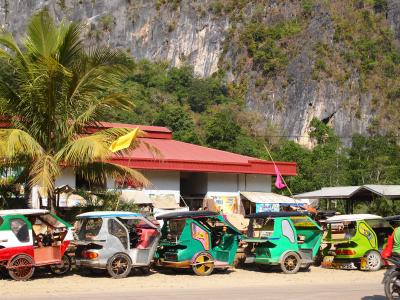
[179,119]
[58,88]
[380,5]
[221,130]
[216,7]
[308,7]
[262,44]
[107,22]
[374,160]
[101,200]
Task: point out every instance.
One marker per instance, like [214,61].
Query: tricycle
[197,240]
[31,238]
[116,242]
[290,240]
[355,241]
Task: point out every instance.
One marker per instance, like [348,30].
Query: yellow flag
[124,141]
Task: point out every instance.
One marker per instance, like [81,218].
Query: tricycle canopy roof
[277,214]
[109,214]
[24,212]
[351,218]
[188,214]
[392,218]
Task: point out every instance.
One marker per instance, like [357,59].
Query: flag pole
[270,156]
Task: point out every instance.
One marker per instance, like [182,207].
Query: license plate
[363,263]
[327,261]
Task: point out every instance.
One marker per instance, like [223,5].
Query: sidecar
[31,238]
[197,240]
[115,241]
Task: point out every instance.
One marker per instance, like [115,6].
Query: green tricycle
[288,239]
[355,241]
[197,240]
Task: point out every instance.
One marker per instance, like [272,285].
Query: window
[89,228]
[1,221]
[263,228]
[287,230]
[174,229]
[119,231]
[51,220]
[20,229]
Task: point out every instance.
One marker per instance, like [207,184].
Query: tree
[221,130]
[178,119]
[58,88]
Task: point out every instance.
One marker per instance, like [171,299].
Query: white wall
[223,182]
[239,182]
[255,183]
[67,177]
[163,182]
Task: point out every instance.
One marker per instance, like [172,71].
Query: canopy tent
[353,193]
[269,201]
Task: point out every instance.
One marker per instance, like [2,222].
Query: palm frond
[70,45]
[44,171]
[99,172]
[42,35]
[7,41]
[14,142]
[94,147]
[94,111]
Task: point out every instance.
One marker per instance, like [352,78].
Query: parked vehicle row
[202,241]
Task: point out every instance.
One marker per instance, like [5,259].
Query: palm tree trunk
[51,201]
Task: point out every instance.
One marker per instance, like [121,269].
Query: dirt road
[239,284]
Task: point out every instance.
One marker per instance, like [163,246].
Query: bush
[308,7]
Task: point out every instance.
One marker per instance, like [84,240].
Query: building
[191,172]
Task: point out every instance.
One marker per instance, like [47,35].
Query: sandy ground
[44,284]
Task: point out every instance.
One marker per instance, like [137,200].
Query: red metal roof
[154,132]
[180,156]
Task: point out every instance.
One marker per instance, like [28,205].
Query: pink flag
[278,182]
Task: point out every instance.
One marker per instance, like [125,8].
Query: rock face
[189,32]
[181,34]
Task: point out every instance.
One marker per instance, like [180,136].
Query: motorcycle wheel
[391,289]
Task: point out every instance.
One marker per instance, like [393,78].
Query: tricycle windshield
[303,222]
[382,229]
[174,228]
[52,221]
[88,228]
[262,228]
[344,230]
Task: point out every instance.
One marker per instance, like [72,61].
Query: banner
[261,207]
[225,203]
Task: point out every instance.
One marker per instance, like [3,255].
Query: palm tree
[51,89]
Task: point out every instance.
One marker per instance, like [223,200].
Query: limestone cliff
[207,35]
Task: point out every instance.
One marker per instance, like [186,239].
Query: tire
[290,263]
[264,267]
[119,266]
[374,260]
[144,270]
[96,272]
[62,268]
[390,287]
[21,267]
[201,266]
[306,267]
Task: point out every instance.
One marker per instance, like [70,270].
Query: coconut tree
[51,89]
